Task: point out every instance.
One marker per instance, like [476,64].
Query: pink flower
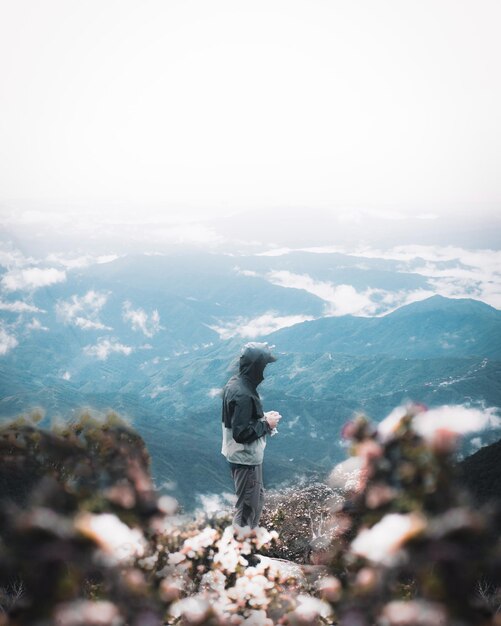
[329,588]
[379,494]
[414,613]
[87,613]
[349,430]
[366,579]
[444,441]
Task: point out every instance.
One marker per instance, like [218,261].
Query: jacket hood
[254,358]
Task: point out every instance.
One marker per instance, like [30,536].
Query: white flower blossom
[120,542]
[228,554]
[193,608]
[252,590]
[264,537]
[175,558]
[308,608]
[149,561]
[257,618]
[194,546]
[382,542]
[213,580]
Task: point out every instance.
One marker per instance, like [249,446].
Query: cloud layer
[257,326]
[36,324]
[456,419]
[83,311]
[32,278]
[345,299]
[78,262]
[451,271]
[18,306]
[7,341]
[148,324]
[104,347]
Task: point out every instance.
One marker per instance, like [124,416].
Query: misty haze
[181,179]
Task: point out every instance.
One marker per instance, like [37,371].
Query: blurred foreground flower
[381,543]
[120,542]
[86,613]
[77,508]
[412,547]
[413,613]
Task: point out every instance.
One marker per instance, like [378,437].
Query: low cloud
[83,311]
[461,283]
[18,306]
[86,324]
[11,257]
[342,299]
[7,341]
[32,278]
[36,324]
[80,261]
[457,419]
[258,326]
[392,300]
[276,252]
[214,505]
[474,258]
[242,272]
[346,300]
[476,443]
[148,324]
[157,390]
[104,347]
[70,263]
[451,271]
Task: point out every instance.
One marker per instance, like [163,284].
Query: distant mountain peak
[441,303]
[431,328]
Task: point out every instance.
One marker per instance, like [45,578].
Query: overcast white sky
[183,106]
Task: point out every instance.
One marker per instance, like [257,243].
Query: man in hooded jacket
[245,427]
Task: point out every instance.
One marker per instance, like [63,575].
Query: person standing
[245,427]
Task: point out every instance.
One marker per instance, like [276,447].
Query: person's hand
[272,417]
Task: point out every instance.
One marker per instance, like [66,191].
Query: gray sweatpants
[249,488]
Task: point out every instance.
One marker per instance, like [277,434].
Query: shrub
[411,547]
[86,541]
[76,510]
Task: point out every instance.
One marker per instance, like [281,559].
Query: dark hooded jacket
[244,427]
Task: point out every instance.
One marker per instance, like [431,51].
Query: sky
[122,111]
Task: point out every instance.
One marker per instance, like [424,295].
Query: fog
[188,110]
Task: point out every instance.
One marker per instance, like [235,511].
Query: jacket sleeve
[245,429]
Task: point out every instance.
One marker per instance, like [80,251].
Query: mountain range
[155,338]
[430,328]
